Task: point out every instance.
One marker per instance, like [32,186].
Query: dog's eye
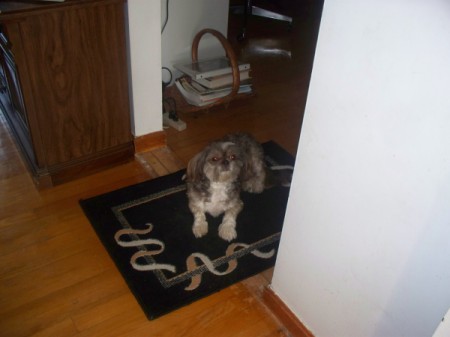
[215,159]
[231,157]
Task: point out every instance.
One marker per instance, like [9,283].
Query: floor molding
[150,141]
[284,314]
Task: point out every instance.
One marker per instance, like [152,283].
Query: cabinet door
[77,76]
[11,99]
[11,81]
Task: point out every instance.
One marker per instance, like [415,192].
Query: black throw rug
[147,231]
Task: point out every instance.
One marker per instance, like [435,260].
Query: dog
[216,176]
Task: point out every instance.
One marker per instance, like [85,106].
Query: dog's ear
[194,171]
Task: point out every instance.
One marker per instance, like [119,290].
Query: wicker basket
[182,105]
[229,53]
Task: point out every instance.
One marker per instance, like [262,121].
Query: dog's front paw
[227,231]
[200,228]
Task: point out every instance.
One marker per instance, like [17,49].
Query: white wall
[186,18]
[147,48]
[144,45]
[365,250]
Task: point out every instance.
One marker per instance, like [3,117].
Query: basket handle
[230,54]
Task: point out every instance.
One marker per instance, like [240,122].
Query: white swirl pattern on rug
[194,270]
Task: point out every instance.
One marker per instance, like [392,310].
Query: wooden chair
[249,9]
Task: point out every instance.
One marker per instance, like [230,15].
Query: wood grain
[149,141]
[75,58]
[71,63]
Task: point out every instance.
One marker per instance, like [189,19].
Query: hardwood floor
[56,279]
[281,61]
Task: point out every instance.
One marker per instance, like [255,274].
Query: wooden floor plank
[60,305]
[19,289]
[150,160]
[105,311]
[168,159]
[64,328]
[46,251]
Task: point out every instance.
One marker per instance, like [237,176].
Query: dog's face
[218,162]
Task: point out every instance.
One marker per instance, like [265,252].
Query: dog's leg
[200,226]
[256,182]
[227,230]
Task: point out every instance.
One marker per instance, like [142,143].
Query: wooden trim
[58,174]
[18,10]
[284,314]
[150,141]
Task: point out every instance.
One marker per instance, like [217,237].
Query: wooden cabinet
[66,86]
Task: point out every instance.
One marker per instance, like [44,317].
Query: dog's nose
[225,163]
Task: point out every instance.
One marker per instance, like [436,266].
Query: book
[190,96]
[207,93]
[209,68]
[197,95]
[219,81]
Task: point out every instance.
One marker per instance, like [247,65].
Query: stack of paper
[207,81]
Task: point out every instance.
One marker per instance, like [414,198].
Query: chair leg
[248,9]
[269,14]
